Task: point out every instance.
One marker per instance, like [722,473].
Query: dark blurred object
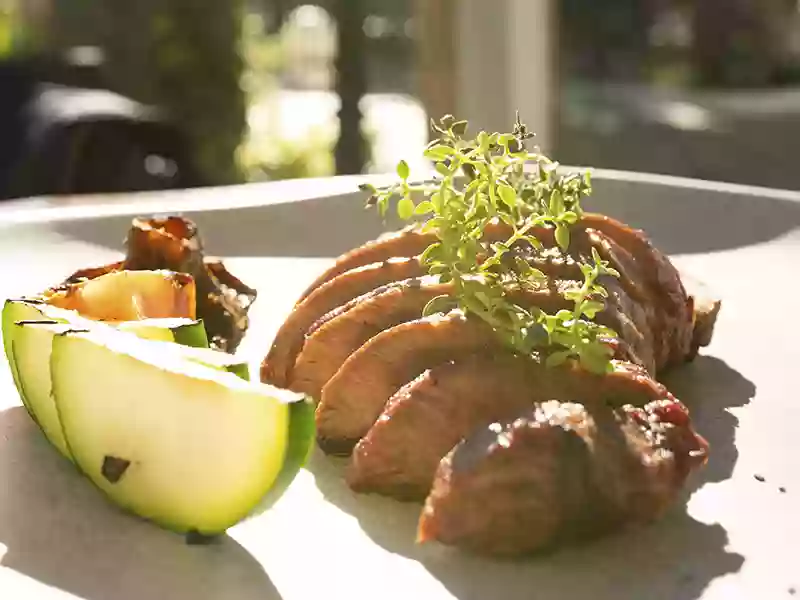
[63,133]
[740,42]
[604,40]
[351,86]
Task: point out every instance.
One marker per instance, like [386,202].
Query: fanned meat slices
[427,417]
[562,472]
[340,333]
[353,399]
[276,367]
[568,456]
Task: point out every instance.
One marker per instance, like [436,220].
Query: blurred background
[119,95]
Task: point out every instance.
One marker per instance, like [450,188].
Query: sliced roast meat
[333,338]
[626,312]
[343,288]
[408,242]
[560,473]
[354,397]
[648,275]
[633,281]
[395,287]
[427,417]
[673,304]
[338,357]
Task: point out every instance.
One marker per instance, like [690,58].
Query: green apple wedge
[192,448]
[183,331]
[31,345]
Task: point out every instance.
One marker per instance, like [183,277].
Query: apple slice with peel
[31,347]
[31,355]
[190,447]
[178,330]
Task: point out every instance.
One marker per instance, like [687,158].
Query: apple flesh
[190,447]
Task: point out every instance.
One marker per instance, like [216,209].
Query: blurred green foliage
[266,153]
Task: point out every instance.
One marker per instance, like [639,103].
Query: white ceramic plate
[735,537]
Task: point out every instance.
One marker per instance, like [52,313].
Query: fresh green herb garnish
[482,183]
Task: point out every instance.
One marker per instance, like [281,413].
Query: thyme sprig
[484,181]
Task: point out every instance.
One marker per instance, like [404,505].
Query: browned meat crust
[278,364]
[561,472]
[648,278]
[428,416]
[565,471]
[341,332]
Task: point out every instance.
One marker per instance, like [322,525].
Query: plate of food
[500,378]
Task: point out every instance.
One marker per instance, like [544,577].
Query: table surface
[737,536]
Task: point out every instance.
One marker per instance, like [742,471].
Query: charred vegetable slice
[129,296]
[174,243]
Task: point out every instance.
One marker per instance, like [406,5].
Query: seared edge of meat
[342,331]
[562,472]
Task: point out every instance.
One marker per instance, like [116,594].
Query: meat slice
[633,281]
[289,340]
[427,417]
[562,472]
[337,335]
[408,242]
[354,397]
[674,305]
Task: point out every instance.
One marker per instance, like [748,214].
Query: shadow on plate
[675,558]
[60,531]
[708,387]
[679,220]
